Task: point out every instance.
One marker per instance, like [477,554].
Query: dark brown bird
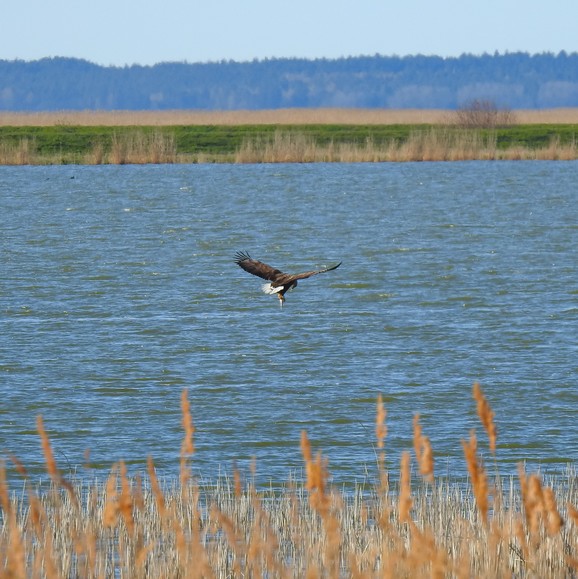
[280,283]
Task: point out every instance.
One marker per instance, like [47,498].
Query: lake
[118,290]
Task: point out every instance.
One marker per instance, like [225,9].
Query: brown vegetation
[132,148]
[267,117]
[433,144]
[470,133]
[137,148]
[134,528]
[241,117]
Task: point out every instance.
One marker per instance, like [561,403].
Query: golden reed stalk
[423,451]
[51,466]
[316,475]
[380,426]
[486,415]
[300,116]
[128,529]
[405,501]
[187,446]
[380,434]
[478,476]
[156,489]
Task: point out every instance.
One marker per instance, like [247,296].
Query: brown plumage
[280,283]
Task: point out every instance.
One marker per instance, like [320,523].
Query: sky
[126,32]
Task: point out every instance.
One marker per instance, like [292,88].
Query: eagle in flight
[279,283]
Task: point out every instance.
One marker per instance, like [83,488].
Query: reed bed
[281,136]
[431,144]
[20,153]
[303,116]
[409,524]
[158,145]
[135,147]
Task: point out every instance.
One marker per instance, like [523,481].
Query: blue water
[118,290]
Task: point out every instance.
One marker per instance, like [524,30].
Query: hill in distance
[512,80]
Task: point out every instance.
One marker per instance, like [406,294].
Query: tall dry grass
[236,117]
[437,143]
[432,144]
[133,147]
[129,527]
[20,153]
[138,147]
[267,117]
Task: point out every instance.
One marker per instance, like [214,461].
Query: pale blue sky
[123,32]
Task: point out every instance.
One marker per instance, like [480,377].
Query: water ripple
[119,290]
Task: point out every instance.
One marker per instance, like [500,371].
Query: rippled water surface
[118,290]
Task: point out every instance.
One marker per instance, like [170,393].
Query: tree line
[512,81]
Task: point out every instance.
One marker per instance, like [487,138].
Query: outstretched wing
[307,274]
[258,268]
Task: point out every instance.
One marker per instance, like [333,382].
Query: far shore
[331,116]
[284,136]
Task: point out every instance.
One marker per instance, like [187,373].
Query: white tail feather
[269,289]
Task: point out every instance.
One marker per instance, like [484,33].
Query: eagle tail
[269,289]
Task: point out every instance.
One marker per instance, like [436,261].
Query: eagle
[279,283]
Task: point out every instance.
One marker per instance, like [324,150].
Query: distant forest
[512,80]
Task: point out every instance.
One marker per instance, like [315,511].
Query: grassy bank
[409,524]
[90,145]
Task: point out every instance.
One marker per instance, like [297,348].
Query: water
[118,290]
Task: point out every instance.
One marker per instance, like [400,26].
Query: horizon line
[495,54]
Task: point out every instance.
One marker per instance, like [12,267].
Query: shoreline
[281,136]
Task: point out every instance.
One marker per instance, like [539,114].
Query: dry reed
[423,451]
[17,154]
[127,527]
[380,434]
[405,501]
[299,116]
[478,475]
[138,148]
[432,144]
[436,143]
[486,416]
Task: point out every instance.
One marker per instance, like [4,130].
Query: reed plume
[111,509]
[12,548]
[380,426]
[555,522]
[124,527]
[478,476]
[306,452]
[405,501]
[540,506]
[321,501]
[51,466]
[423,451]
[316,475]
[380,434]
[187,446]
[156,489]
[486,415]
[125,499]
